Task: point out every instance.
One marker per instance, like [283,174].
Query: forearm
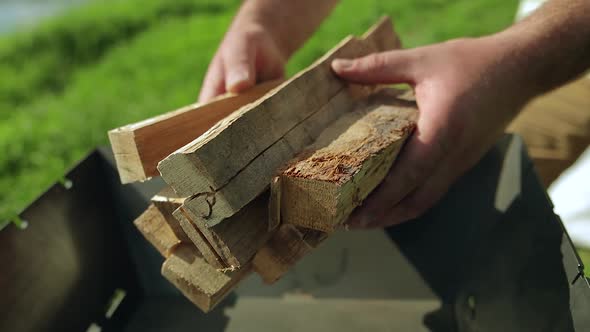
[291,22]
[551,47]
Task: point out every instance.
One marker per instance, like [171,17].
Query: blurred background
[72,69]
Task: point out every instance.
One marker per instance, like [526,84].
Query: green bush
[42,61]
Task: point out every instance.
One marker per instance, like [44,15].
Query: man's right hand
[248,54]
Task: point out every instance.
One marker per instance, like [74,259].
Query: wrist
[514,66]
[551,47]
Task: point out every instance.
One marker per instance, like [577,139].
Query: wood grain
[139,147]
[153,226]
[233,163]
[199,240]
[167,201]
[320,188]
[237,239]
[204,285]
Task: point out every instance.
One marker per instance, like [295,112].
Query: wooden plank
[139,147]
[199,240]
[235,160]
[321,187]
[288,245]
[555,128]
[236,240]
[218,205]
[382,35]
[167,201]
[202,284]
[247,133]
[156,230]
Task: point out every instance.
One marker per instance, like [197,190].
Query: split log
[167,201]
[201,283]
[198,239]
[321,187]
[235,241]
[155,229]
[226,228]
[233,163]
[139,147]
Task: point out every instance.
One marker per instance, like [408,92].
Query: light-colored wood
[234,162]
[167,201]
[197,238]
[284,249]
[139,147]
[321,187]
[382,35]
[556,128]
[156,230]
[218,205]
[204,285]
[237,239]
[161,227]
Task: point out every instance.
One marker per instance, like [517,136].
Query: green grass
[585,256]
[43,61]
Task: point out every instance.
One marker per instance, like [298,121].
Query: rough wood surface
[284,249]
[556,128]
[217,205]
[322,186]
[204,285]
[156,230]
[167,201]
[232,163]
[139,147]
[199,240]
[236,240]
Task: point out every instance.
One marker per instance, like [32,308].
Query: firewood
[201,283]
[320,144]
[235,241]
[228,166]
[198,239]
[167,201]
[322,186]
[139,147]
[156,230]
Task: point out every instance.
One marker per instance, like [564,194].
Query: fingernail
[341,64]
[236,78]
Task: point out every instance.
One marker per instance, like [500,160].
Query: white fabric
[526,7]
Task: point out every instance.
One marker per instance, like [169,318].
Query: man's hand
[466,96]
[248,54]
[259,42]
[467,91]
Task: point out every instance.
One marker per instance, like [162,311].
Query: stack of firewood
[257,180]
